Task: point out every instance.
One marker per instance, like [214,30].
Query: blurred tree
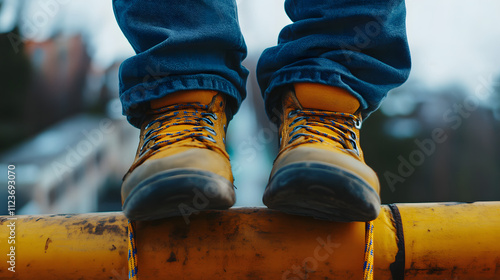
[413,167]
[15,74]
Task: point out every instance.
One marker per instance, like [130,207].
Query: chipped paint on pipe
[86,246]
[442,241]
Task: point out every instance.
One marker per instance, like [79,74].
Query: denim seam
[133,97]
[310,75]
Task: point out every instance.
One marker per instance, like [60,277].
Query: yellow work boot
[320,170]
[181,166]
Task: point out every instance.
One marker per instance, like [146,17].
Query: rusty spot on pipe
[172,258]
[47,242]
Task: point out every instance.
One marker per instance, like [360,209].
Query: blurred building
[60,66]
[56,100]
[59,86]
[73,166]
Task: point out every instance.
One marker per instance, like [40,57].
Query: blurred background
[436,138]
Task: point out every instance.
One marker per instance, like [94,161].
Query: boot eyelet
[147,134]
[295,129]
[357,124]
[207,120]
[296,120]
[210,130]
[211,115]
[296,136]
[353,136]
[292,113]
[354,146]
[146,145]
[153,125]
[209,138]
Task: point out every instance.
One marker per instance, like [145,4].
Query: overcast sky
[452,41]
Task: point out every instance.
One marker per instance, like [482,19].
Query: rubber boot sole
[178,192]
[322,191]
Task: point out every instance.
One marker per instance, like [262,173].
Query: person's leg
[179,45]
[357,45]
[181,88]
[331,68]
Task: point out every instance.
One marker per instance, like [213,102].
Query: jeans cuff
[284,79]
[136,100]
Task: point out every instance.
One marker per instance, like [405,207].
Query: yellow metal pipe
[452,242]
[441,241]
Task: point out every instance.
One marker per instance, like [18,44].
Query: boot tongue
[183,97]
[327,98]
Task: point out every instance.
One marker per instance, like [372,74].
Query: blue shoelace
[202,126]
[341,124]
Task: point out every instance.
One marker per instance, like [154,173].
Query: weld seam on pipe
[398,266]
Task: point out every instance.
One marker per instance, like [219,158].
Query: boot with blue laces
[320,170]
[181,165]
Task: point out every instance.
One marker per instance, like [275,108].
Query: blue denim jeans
[358,45]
